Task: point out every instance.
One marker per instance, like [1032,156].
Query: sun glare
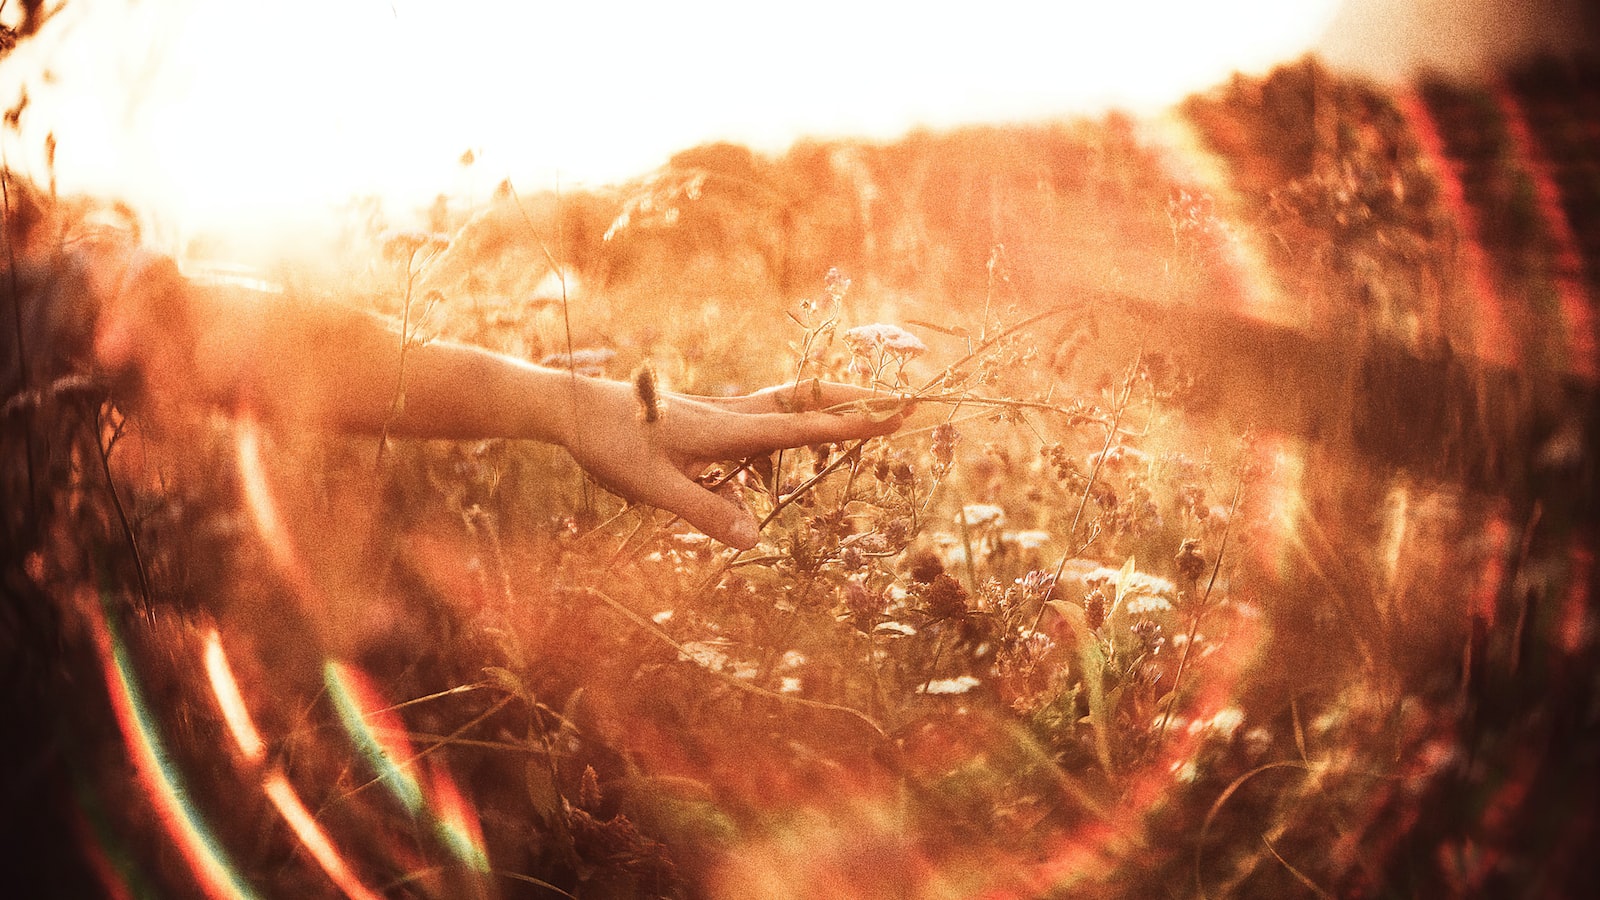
[205,114]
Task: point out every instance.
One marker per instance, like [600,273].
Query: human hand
[656,462]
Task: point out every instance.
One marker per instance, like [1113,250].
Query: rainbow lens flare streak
[184,824]
[274,782]
[360,709]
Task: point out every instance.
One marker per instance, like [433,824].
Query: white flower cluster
[888,338]
[957,685]
[979,514]
[1139,584]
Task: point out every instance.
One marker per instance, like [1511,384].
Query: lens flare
[379,736]
[1576,305]
[185,825]
[311,835]
[231,701]
[275,783]
[377,733]
[1491,336]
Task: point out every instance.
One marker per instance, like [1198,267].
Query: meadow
[1200,570]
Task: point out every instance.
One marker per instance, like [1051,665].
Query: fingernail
[744,533]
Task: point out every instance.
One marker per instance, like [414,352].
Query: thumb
[720,518]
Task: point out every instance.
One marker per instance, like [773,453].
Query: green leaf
[1074,616]
[1094,664]
[542,790]
[1093,661]
[1124,581]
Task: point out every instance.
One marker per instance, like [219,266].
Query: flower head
[978,514]
[890,339]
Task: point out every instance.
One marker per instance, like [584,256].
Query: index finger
[810,394]
[752,433]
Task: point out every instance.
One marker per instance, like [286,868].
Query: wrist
[558,403]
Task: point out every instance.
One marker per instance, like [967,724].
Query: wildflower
[891,339]
[862,605]
[1149,636]
[1117,457]
[850,558]
[1094,607]
[975,515]
[1139,583]
[1191,565]
[896,532]
[945,597]
[1144,604]
[957,685]
[836,284]
[1035,585]
[1031,539]
[945,438]
[1035,644]
[925,566]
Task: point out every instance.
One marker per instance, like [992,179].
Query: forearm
[317,366]
[338,368]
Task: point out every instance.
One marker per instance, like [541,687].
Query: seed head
[945,437]
[1191,565]
[925,566]
[644,389]
[945,597]
[1094,608]
[589,789]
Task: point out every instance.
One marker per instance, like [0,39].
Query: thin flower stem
[1194,622]
[116,499]
[1111,436]
[425,752]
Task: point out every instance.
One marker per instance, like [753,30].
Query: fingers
[806,395]
[745,434]
[720,518]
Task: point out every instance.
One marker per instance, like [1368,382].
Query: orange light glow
[1254,291]
[1576,629]
[1493,340]
[186,827]
[258,494]
[215,129]
[305,827]
[231,701]
[1573,299]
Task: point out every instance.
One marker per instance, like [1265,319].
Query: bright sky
[212,111]
[206,111]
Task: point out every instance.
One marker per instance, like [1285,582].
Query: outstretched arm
[324,366]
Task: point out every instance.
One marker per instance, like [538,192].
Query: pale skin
[324,366]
